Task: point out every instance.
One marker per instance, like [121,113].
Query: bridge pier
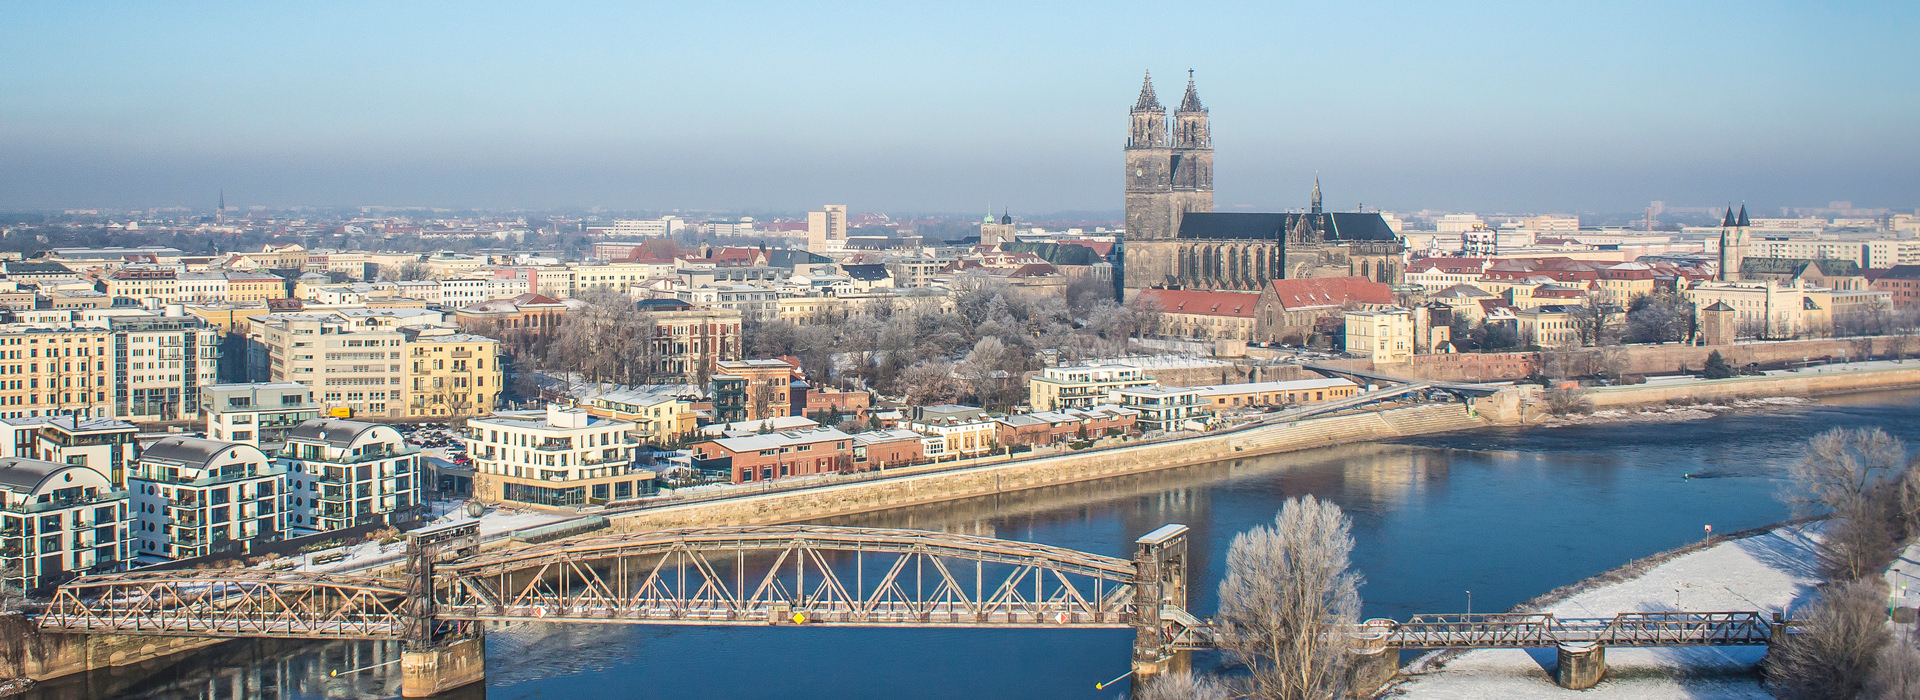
[1159,586]
[1581,666]
[1369,670]
[442,665]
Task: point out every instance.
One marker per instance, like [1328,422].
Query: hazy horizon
[1475,107]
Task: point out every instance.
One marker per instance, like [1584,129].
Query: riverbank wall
[27,652]
[1020,475]
[1805,383]
[1645,360]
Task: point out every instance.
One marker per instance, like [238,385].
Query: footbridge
[781,575]
[1462,390]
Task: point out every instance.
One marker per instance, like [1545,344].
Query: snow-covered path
[1769,573]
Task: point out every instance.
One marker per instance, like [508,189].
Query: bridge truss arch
[233,603]
[793,575]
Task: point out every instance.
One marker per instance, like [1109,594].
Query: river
[1504,513]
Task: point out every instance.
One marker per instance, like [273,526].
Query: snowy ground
[493,523]
[1668,414]
[1769,573]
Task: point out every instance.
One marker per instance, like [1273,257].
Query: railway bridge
[783,575]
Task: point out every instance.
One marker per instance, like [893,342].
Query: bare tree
[1851,476]
[1182,686]
[1288,601]
[406,272]
[1896,674]
[1840,638]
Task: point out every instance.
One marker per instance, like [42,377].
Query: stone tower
[1733,244]
[1719,324]
[1149,170]
[1192,163]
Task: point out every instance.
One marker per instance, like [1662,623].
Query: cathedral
[1174,239]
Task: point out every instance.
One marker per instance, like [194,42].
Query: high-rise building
[827,229]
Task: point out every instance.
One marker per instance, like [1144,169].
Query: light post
[1469,603]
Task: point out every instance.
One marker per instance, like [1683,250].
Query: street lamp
[1469,603]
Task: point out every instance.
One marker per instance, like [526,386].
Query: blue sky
[917,107]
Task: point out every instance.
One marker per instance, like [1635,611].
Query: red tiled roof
[1193,301]
[1330,291]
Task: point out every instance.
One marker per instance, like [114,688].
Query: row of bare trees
[1863,483]
[979,354]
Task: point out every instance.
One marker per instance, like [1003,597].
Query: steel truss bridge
[782,575]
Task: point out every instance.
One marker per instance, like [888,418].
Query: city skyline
[1474,108]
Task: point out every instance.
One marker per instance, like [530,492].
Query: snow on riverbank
[1672,414]
[1767,572]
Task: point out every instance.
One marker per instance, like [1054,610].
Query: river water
[1504,513]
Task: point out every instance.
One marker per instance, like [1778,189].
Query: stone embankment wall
[29,653]
[813,504]
[1806,383]
[1641,359]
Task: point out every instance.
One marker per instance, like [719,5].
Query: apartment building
[1384,336]
[689,341]
[104,445]
[1200,315]
[352,373]
[193,497]
[62,370]
[1218,397]
[662,416]
[131,285]
[777,455]
[160,364]
[449,373]
[955,432]
[58,521]
[749,390]
[1548,326]
[258,414]
[1057,388]
[1162,408]
[559,457]
[343,473]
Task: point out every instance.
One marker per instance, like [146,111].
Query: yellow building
[660,418]
[1385,336]
[46,372]
[1548,326]
[255,286]
[1220,397]
[451,374]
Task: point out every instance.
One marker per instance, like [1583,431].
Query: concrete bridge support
[1368,671]
[443,665]
[1581,666]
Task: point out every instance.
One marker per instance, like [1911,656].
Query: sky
[950,107]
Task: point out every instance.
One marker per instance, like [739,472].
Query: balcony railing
[60,503]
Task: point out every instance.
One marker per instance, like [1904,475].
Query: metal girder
[1517,630]
[825,575]
[231,603]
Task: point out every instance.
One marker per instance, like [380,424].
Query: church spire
[1316,195]
[1728,222]
[1147,99]
[1743,220]
[1191,102]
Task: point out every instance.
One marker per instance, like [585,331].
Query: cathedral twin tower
[1167,177]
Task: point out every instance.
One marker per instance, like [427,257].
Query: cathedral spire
[1743,221]
[1191,103]
[1316,195]
[1727,222]
[1147,99]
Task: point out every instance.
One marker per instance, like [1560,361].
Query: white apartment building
[104,445]
[343,473]
[194,497]
[200,287]
[460,292]
[258,414]
[1059,388]
[562,457]
[160,364]
[59,520]
[1163,408]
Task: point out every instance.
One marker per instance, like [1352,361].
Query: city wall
[1805,383]
[1019,475]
